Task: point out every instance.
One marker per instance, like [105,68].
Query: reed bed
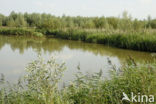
[135,40]
[141,40]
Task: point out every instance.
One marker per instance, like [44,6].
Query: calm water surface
[17,52]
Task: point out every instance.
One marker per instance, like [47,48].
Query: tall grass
[142,41]
[135,40]
[40,85]
[19,32]
[94,90]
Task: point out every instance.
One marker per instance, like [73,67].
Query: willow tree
[2,17]
[20,21]
[10,22]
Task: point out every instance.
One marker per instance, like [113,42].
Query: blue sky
[137,8]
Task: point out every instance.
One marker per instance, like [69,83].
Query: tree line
[48,21]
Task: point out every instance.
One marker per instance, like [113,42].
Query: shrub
[40,85]
[37,34]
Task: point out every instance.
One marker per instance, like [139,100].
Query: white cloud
[146,1]
[44,5]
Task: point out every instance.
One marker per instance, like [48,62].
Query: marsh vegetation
[40,85]
[124,32]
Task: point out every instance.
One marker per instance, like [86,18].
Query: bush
[40,85]
[16,31]
[20,32]
[37,34]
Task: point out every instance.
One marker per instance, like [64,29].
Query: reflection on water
[16,52]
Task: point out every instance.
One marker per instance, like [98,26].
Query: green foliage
[20,32]
[33,20]
[93,89]
[40,85]
[47,21]
[50,23]
[124,32]
[43,78]
[153,23]
[38,34]
[143,41]
[20,21]
[11,22]
[16,31]
[15,20]
[1,19]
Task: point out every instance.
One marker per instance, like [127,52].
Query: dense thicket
[52,22]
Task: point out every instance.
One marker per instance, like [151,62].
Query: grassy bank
[141,40]
[135,40]
[20,31]
[40,85]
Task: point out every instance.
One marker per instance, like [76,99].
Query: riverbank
[20,31]
[135,40]
[141,41]
[40,85]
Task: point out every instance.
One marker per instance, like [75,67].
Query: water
[17,52]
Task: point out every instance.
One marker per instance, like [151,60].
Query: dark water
[17,52]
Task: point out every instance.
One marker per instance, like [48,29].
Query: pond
[16,52]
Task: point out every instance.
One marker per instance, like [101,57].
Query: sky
[137,8]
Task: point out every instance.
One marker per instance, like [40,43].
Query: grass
[141,41]
[135,40]
[20,31]
[40,85]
